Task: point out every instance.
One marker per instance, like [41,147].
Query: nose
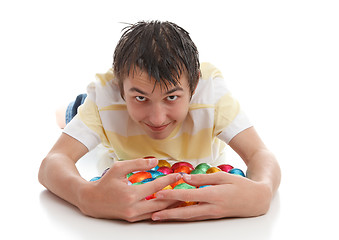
[157,115]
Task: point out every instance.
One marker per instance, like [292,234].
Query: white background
[280,58]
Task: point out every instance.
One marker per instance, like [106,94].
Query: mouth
[158,128]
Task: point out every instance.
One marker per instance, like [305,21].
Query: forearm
[60,175]
[264,168]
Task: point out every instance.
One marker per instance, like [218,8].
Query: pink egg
[179,164]
[183,169]
[165,170]
[225,167]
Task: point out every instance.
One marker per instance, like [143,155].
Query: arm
[262,165]
[230,195]
[58,172]
[110,197]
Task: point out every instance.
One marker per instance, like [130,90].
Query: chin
[158,136]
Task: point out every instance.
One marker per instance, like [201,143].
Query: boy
[157,100]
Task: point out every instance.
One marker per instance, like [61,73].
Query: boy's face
[157,110]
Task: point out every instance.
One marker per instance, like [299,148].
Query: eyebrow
[134,89]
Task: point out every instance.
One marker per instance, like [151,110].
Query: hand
[111,197]
[231,196]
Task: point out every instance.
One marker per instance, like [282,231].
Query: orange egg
[177,183]
[185,204]
[139,176]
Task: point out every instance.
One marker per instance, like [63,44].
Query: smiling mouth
[158,128]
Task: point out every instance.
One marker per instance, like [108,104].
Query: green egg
[184,186]
[203,166]
[198,171]
[130,174]
[138,183]
[159,176]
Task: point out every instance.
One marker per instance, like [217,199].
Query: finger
[193,212]
[122,168]
[191,195]
[209,179]
[144,209]
[154,205]
[149,188]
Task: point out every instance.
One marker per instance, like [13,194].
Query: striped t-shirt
[213,119]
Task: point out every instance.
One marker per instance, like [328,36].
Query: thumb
[122,168]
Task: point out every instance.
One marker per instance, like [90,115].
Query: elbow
[42,174]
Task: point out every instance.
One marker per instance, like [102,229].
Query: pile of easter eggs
[164,168]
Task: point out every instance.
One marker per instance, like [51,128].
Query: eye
[172,98]
[140,98]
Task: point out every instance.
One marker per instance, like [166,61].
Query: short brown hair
[163,49]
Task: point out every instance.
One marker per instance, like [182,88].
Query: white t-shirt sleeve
[239,124]
[79,131]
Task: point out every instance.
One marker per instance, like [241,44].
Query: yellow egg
[168,187]
[213,170]
[163,163]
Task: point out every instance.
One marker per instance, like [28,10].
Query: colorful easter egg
[205,186]
[138,183]
[148,180]
[159,176]
[148,157]
[198,171]
[187,203]
[183,169]
[203,167]
[165,170]
[163,163]
[106,170]
[237,171]
[225,167]
[179,164]
[139,176]
[155,173]
[213,170]
[173,185]
[94,179]
[184,186]
[130,174]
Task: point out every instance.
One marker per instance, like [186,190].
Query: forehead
[140,78]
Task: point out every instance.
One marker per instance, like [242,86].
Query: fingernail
[187,177]
[178,177]
[155,218]
[152,161]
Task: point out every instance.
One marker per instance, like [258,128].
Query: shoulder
[211,86]
[105,90]
[209,71]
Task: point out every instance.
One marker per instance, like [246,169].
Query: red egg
[150,197]
[183,169]
[225,167]
[139,176]
[179,164]
[165,170]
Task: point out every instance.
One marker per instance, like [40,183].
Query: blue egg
[237,171]
[155,168]
[155,173]
[205,186]
[148,180]
[94,179]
